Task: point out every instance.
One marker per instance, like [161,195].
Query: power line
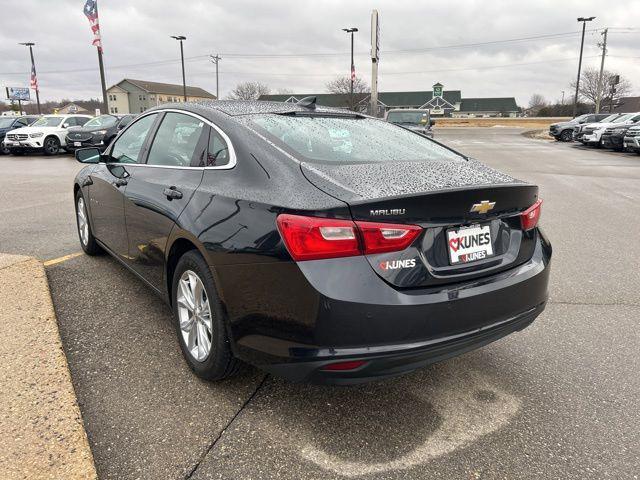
[317,54]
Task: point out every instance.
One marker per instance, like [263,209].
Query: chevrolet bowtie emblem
[483,207]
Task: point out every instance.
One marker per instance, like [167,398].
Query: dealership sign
[18,93]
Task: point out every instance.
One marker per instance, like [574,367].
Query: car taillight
[387,237]
[313,238]
[529,218]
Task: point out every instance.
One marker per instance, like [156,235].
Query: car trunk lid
[459,204]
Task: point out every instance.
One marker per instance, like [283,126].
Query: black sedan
[97,132]
[317,244]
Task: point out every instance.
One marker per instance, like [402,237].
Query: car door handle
[171,193]
[120,182]
[87,181]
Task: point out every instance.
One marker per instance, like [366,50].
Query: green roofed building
[440,102]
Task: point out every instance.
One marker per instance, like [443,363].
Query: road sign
[18,93]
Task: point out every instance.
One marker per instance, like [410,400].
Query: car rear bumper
[390,361]
[353,315]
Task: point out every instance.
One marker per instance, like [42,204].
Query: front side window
[333,139]
[176,141]
[81,120]
[128,145]
[70,122]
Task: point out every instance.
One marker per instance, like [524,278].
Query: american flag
[34,79]
[91,12]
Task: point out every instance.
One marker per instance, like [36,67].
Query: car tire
[199,320]
[566,136]
[4,150]
[85,235]
[51,146]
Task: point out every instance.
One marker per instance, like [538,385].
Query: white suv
[593,131]
[47,134]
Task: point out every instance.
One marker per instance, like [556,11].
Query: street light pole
[33,73]
[180,38]
[215,60]
[584,21]
[351,30]
[604,54]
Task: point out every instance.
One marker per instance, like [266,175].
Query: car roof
[249,107]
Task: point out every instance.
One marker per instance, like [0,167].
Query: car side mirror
[65,125]
[88,155]
[121,126]
[432,123]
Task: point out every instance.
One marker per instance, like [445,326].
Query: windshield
[610,118]
[624,118]
[329,139]
[105,121]
[47,122]
[6,122]
[415,118]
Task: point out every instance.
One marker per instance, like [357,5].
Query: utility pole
[604,54]
[562,103]
[584,21]
[180,38]
[353,66]
[33,75]
[215,60]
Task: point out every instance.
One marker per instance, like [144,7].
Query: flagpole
[33,71]
[104,84]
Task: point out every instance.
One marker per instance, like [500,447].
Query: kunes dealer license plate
[469,244]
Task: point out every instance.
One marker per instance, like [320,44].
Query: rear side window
[128,145]
[81,120]
[217,154]
[328,139]
[179,140]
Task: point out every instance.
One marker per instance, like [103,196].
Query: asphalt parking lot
[558,400]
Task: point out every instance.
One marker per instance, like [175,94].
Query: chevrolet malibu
[319,245]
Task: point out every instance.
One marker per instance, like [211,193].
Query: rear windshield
[348,139]
[413,118]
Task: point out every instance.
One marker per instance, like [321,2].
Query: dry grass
[531,123]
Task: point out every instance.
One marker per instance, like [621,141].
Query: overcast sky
[137,33]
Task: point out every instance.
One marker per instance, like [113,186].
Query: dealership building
[440,102]
[136,96]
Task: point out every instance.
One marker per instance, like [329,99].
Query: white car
[47,134]
[593,131]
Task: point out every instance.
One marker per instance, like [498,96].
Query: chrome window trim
[232,152]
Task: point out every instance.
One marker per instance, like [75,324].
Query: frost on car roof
[250,107]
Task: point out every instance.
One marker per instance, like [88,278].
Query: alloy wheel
[194,314]
[51,146]
[83,224]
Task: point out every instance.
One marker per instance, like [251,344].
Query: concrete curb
[41,430]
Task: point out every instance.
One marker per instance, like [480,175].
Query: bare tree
[342,86]
[536,103]
[589,86]
[249,91]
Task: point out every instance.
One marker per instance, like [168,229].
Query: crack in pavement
[224,429]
